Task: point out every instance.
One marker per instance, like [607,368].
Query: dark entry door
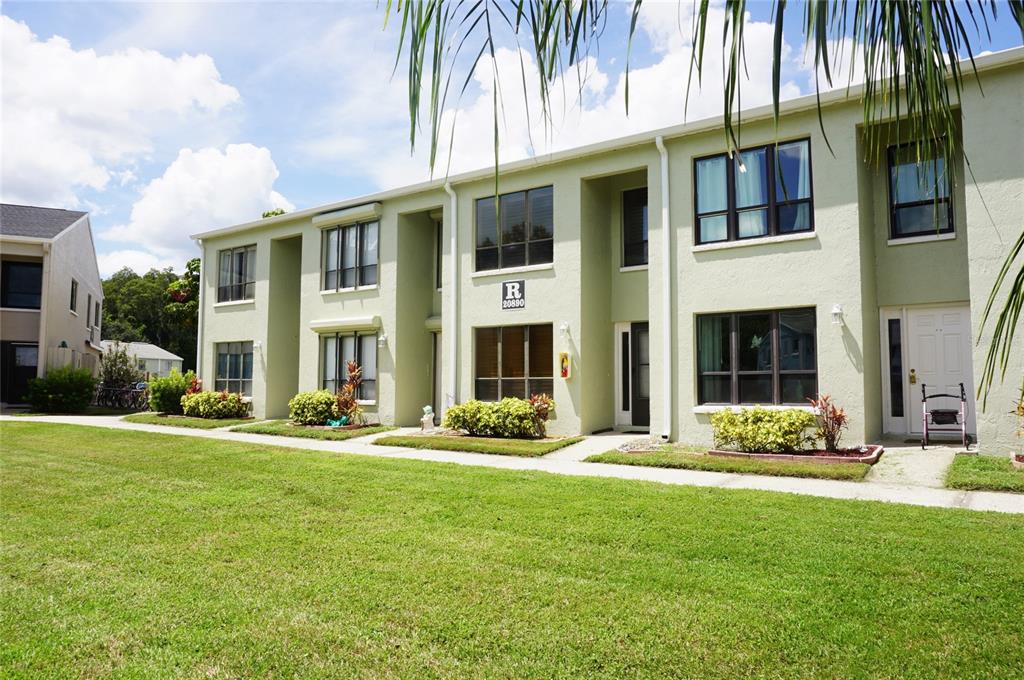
[19,363]
[640,372]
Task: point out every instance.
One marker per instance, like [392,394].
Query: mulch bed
[870,456]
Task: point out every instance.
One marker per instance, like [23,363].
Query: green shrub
[214,405]
[165,393]
[758,430]
[313,408]
[117,368]
[474,417]
[63,390]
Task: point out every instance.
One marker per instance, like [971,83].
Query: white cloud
[138,261]
[75,119]
[200,190]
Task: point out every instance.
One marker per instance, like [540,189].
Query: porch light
[382,340]
[837,314]
[563,330]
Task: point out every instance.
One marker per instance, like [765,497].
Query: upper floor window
[766,357]
[96,316]
[74,296]
[234,367]
[764,191]
[438,251]
[919,191]
[88,311]
[21,284]
[236,278]
[513,361]
[335,353]
[634,227]
[525,234]
[350,256]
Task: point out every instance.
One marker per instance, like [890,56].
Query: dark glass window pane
[513,255]
[755,389]
[797,389]
[634,227]
[222,362]
[712,195]
[793,171]
[917,173]
[895,368]
[368,247]
[542,363]
[21,285]
[224,273]
[348,278]
[368,275]
[751,177]
[513,388]
[796,340]
[541,252]
[486,258]
[921,219]
[331,280]
[513,218]
[541,213]
[751,223]
[716,389]
[715,228]
[487,352]
[713,343]
[486,223]
[541,386]
[487,390]
[794,217]
[755,342]
[368,390]
[513,352]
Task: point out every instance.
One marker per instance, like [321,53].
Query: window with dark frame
[762,191]
[234,367]
[74,296]
[513,361]
[634,227]
[337,350]
[763,357]
[21,284]
[919,191]
[525,234]
[236,274]
[96,316]
[350,256]
[88,311]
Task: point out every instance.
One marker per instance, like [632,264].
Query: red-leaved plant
[195,386]
[832,420]
[542,405]
[348,404]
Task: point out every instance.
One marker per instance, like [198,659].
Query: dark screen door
[640,371]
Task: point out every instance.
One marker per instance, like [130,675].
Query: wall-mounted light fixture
[257,344]
[563,330]
[837,314]
[382,340]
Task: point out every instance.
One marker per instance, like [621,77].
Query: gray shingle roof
[35,222]
[141,350]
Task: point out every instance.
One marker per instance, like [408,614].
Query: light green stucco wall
[280,360]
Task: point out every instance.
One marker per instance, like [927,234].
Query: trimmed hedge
[510,418]
[758,430]
[215,405]
[63,390]
[313,408]
[165,393]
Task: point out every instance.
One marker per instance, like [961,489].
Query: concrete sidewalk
[570,463]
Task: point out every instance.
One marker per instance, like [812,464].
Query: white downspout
[199,329]
[453,295]
[666,297]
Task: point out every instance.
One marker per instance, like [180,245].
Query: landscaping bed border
[875,452]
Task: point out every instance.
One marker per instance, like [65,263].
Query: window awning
[357,213]
[352,323]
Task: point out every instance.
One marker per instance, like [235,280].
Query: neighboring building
[51,295]
[152,361]
[676,282]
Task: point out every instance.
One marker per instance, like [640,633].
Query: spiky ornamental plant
[910,53]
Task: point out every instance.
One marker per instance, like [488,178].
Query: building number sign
[513,294]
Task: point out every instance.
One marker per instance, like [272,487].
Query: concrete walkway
[570,464]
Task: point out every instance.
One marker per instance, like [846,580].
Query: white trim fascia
[353,289]
[525,269]
[25,239]
[634,268]
[234,303]
[926,238]
[759,241]
[736,408]
[806,103]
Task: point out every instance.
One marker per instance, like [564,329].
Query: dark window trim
[622,230]
[438,252]
[5,285]
[341,368]
[527,378]
[359,266]
[529,228]
[893,206]
[231,291]
[731,212]
[74,296]
[218,380]
[776,371]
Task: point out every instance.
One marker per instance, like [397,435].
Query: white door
[939,357]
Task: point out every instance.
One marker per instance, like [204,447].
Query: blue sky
[167,119]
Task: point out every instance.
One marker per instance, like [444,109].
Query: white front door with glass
[928,346]
[633,375]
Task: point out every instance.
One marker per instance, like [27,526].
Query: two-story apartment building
[648,281]
[51,295]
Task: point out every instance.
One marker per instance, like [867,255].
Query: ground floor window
[234,367]
[335,353]
[513,361]
[764,357]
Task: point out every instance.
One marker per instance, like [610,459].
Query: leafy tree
[117,368]
[909,52]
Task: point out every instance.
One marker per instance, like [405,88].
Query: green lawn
[527,448]
[284,429]
[148,555]
[91,411]
[149,418]
[984,473]
[683,459]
